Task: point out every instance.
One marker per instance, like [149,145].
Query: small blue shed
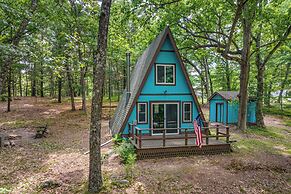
[224,106]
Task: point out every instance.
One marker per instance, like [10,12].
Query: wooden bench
[41,131]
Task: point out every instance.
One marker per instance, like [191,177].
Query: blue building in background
[224,106]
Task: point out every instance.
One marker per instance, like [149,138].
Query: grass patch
[276,110]
[48,146]
[287,121]
[17,123]
[270,139]
[265,132]
[24,123]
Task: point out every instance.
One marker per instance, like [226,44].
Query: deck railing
[139,135]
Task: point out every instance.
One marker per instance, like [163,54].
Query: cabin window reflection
[187,112]
[142,112]
[165,74]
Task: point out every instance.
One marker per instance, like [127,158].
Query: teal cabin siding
[218,110]
[160,95]
[232,112]
[152,93]
[229,110]
[251,114]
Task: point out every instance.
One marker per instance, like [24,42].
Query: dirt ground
[61,157]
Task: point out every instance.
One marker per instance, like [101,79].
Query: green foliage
[127,154]
[3,97]
[4,190]
[126,151]
[234,101]
[117,139]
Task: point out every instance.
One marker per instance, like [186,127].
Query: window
[187,112]
[165,74]
[142,112]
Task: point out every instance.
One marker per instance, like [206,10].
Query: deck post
[186,137]
[227,134]
[132,130]
[135,135]
[217,132]
[129,130]
[164,138]
[139,139]
[207,138]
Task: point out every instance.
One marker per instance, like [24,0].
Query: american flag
[198,132]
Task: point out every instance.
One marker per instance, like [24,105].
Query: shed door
[219,112]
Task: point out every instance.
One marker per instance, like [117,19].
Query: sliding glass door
[165,116]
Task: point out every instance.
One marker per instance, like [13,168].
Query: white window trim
[165,66]
[184,103]
[146,113]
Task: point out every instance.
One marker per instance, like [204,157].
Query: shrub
[126,151]
[3,97]
[117,139]
[127,154]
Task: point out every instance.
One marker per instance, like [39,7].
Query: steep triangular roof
[139,77]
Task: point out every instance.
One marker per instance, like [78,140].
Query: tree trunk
[33,82]
[83,89]
[202,92]
[280,98]
[260,83]
[3,79]
[210,82]
[52,85]
[206,68]
[227,75]
[95,175]
[245,67]
[83,71]
[41,81]
[9,90]
[13,84]
[26,85]
[20,83]
[274,74]
[14,41]
[59,90]
[70,84]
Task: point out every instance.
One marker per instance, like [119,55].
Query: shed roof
[138,78]
[227,95]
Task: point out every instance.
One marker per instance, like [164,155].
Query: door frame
[221,104]
[164,102]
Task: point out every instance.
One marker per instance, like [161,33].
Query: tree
[95,175]
[13,40]
[264,10]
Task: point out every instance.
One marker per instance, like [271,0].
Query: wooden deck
[151,143]
[183,144]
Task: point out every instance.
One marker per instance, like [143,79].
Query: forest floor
[260,161]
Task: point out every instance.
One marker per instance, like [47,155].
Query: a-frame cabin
[161,103]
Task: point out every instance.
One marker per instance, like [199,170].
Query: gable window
[165,74]
[142,112]
[187,112]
